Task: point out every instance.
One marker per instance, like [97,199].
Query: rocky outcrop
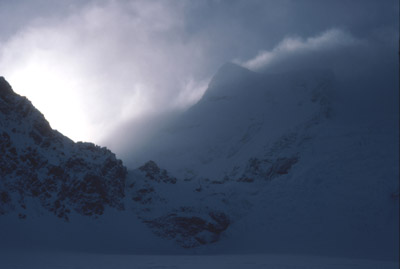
[170,209]
[163,203]
[39,163]
[190,230]
[153,172]
[267,169]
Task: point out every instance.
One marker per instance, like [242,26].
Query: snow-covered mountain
[246,131]
[262,163]
[241,116]
[286,168]
[40,166]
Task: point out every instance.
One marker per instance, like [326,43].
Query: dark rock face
[39,163]
[267,169]
[163,205]
[204,217]
[191,231]
[153,172]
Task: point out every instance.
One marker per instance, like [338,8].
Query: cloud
[103,64]
[106,67]
[332,39]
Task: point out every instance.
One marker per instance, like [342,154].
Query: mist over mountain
[223,134]
[294,160]
[264,162]
[241,114]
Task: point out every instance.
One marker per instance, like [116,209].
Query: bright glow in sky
[50,92]
[91,70]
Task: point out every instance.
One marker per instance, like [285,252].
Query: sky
[94,68]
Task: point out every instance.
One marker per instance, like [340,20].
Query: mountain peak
[230,71]
[232,66]
[228,75]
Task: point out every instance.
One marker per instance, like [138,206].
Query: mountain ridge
[39,162]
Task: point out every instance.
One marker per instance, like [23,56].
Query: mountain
[40,164]
[283,160]
[230,144]
[263,163]
[239,117]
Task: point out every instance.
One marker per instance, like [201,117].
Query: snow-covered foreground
[64,260]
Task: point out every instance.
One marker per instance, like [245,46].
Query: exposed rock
[153,172]
[281,166]
[40,163]
[190,230]
[267,168]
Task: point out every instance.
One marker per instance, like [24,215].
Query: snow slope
[69,260]
[240,116]
[291,170]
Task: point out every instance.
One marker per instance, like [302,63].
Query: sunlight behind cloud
[47,79]
[108,62]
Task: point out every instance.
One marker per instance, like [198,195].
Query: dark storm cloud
[126,60]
